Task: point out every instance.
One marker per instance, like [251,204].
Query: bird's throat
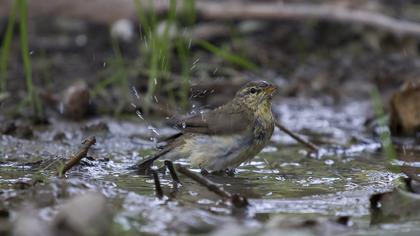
[264,111]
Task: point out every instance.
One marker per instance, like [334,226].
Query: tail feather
[144,166]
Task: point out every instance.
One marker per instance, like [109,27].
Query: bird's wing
[219,121]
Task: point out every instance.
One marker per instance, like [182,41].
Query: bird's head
[256,93]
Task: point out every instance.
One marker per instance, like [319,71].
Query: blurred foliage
[5,48]
[21,7]
[165,52]
[226,55]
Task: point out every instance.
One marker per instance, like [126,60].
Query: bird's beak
[270,89]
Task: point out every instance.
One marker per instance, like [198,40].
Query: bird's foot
[226,172]
[230,172]
[204,172]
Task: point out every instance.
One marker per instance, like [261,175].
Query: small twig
[172,171]
[296,137]
[75,159]
[237,200]
[158,187]
[203,181]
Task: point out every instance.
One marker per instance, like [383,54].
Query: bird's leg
[144,169]
[161,170]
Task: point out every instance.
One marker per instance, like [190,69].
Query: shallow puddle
[283,181]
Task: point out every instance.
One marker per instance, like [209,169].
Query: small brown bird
[223,138]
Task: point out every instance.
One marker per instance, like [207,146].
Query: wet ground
[284,183]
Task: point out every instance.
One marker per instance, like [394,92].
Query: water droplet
[329,162]
[135,92]
[215,70]
[184,125]
[155,80]
[156,99]
[153,129]
[104,64]
[189,43]
[133,105]
[31,52]
[154,140]
[61,108]
[81,40]
[192,193]
[139,114]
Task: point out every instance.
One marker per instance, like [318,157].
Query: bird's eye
[253,90]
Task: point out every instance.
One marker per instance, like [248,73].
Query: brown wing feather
[223,120]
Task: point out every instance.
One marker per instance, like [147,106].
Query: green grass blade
[189,11]
[5,49]
[170,20]
[143,21]
[230,57]
[121,74]
[24,44]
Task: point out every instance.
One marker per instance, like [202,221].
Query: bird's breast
[263,127]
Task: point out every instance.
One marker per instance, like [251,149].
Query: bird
[225,137]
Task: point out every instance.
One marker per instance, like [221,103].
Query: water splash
[139,114]
[194,64]
[146,45]
[61,108]
[189,43]
[196,61]
[136,93]
[153,129]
